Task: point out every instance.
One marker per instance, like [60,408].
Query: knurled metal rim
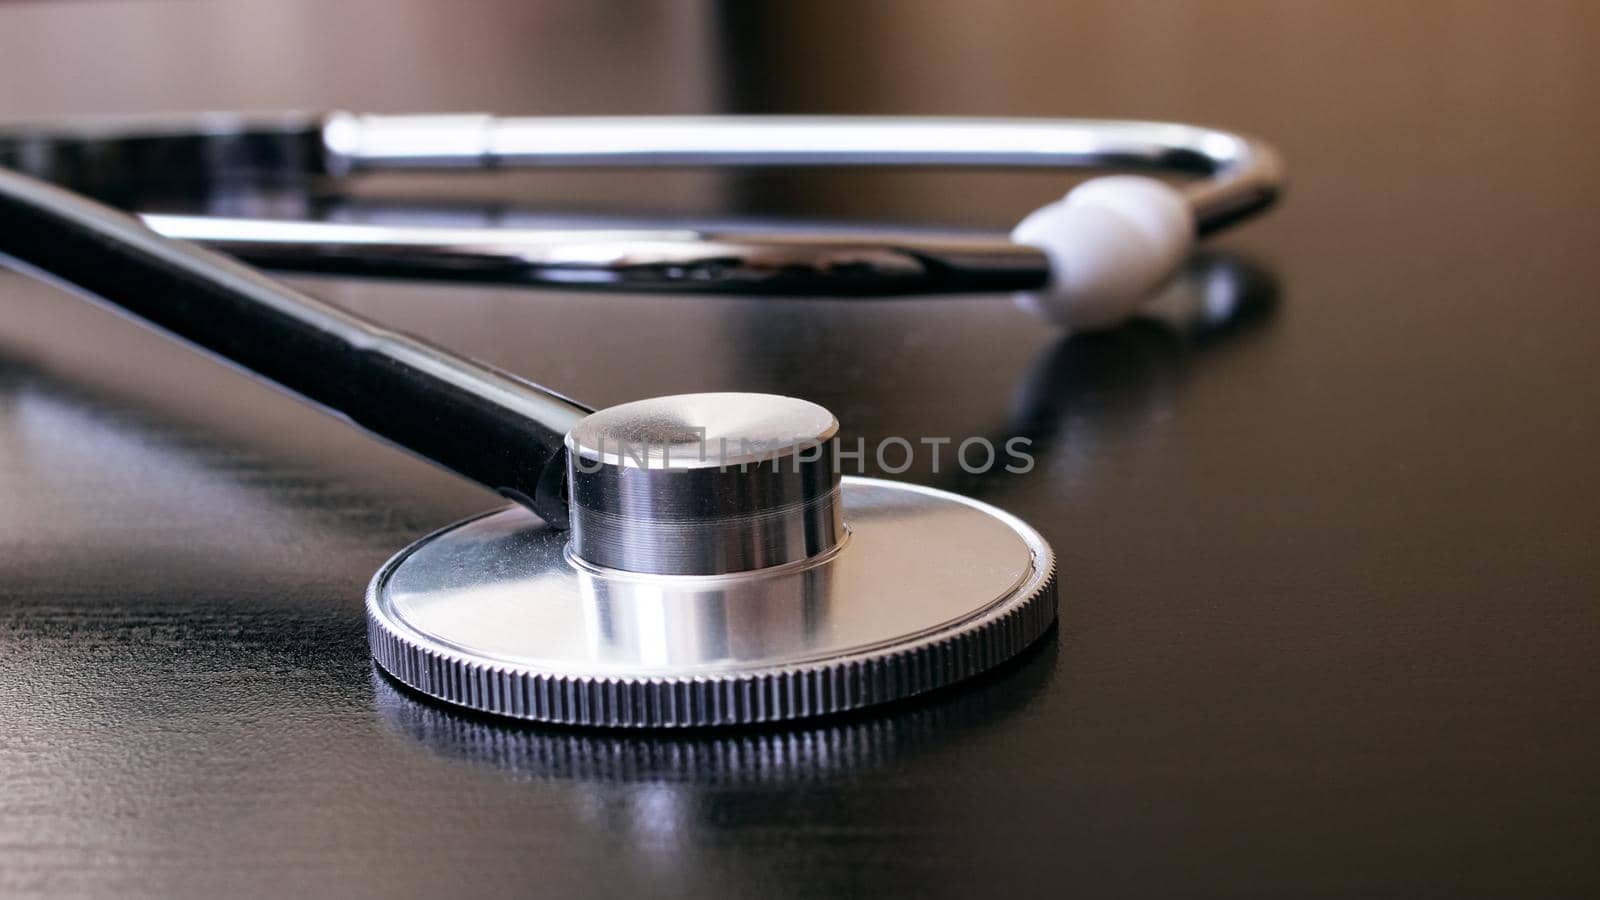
[814,752]
[868,677]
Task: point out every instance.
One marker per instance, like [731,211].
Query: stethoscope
[678,561]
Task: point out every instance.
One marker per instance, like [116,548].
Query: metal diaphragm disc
[928,588]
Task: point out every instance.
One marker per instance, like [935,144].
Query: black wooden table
[1329,586]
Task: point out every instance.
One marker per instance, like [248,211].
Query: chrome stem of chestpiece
[704,484]
[718,569]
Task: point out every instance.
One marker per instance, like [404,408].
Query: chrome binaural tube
[789,261]
[1233,177]
[1239,174]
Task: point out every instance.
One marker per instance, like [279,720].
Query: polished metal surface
[704,484]
[1241,174]
[930,588]
[792,260]
[1233,177]
[837,749]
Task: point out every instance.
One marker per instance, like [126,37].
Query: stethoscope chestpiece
[719,571]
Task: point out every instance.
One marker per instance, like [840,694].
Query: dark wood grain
[1330,618]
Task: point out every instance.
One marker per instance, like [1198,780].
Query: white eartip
[1111,242]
